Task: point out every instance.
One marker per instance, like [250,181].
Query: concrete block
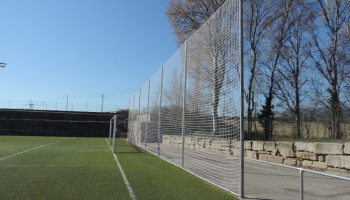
[290,161]
[235,152]
[178,139]
[235,144]
[339,161]
[251,154]
[285,149]
[299,163]
[258,145]
[305,155]
[223,152]
[220,144]
[271,158]
[214,143]
[225,143]
[165,140]
[304,146]
[307,163]
[347,148]
[270,146]
[248,145]
[188,140]
[320,158]
[328,148]
[198,147]
[200,141]
[321,165]
[264,152]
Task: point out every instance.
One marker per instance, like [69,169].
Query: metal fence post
[302,184]
[159,113]
[132,121]
[148,115]
[241,187]
[183,108]
[139,137]
[114,131]
[129,119]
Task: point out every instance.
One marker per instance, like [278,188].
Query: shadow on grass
[129,152]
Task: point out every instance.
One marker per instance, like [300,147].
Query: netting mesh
[189,112]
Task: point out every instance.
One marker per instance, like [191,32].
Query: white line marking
[52,165]
[30,149]
[131,192]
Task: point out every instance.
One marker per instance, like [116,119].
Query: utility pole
[102,102]
[31,104]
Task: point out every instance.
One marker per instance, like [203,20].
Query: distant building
[122,111]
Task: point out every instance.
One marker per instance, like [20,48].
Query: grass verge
[153,178]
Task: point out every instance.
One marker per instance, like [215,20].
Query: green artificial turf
[85,168]
[153,178]
[13,144]
[75,168]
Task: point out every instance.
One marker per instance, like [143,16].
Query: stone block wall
[330,156]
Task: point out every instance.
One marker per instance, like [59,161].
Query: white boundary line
[51,165]
[131,192]
[30,149]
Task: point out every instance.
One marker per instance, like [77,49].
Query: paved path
[264,181]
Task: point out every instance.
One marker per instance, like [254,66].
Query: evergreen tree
[266,118]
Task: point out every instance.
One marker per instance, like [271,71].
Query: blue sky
[80,48]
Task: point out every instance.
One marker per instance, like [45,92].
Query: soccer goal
[112,132]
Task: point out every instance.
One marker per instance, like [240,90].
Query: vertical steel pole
[129,119]
[110,132]
[139,136]
[241,188]
[114,131]
[148,114]
[183,108]
[302,184]
[132,121]
[160,105]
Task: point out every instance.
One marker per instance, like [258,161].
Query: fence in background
[196,94]
[59,106]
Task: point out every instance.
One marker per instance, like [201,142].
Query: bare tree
[172,95]
[258,16]
[330,55]
[347,24]
[294,59]
[278,34]
[188,16]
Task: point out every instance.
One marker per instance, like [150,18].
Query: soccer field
[85,168]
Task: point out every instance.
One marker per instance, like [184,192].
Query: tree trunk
[218,80]
[297,107]
[250,98]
